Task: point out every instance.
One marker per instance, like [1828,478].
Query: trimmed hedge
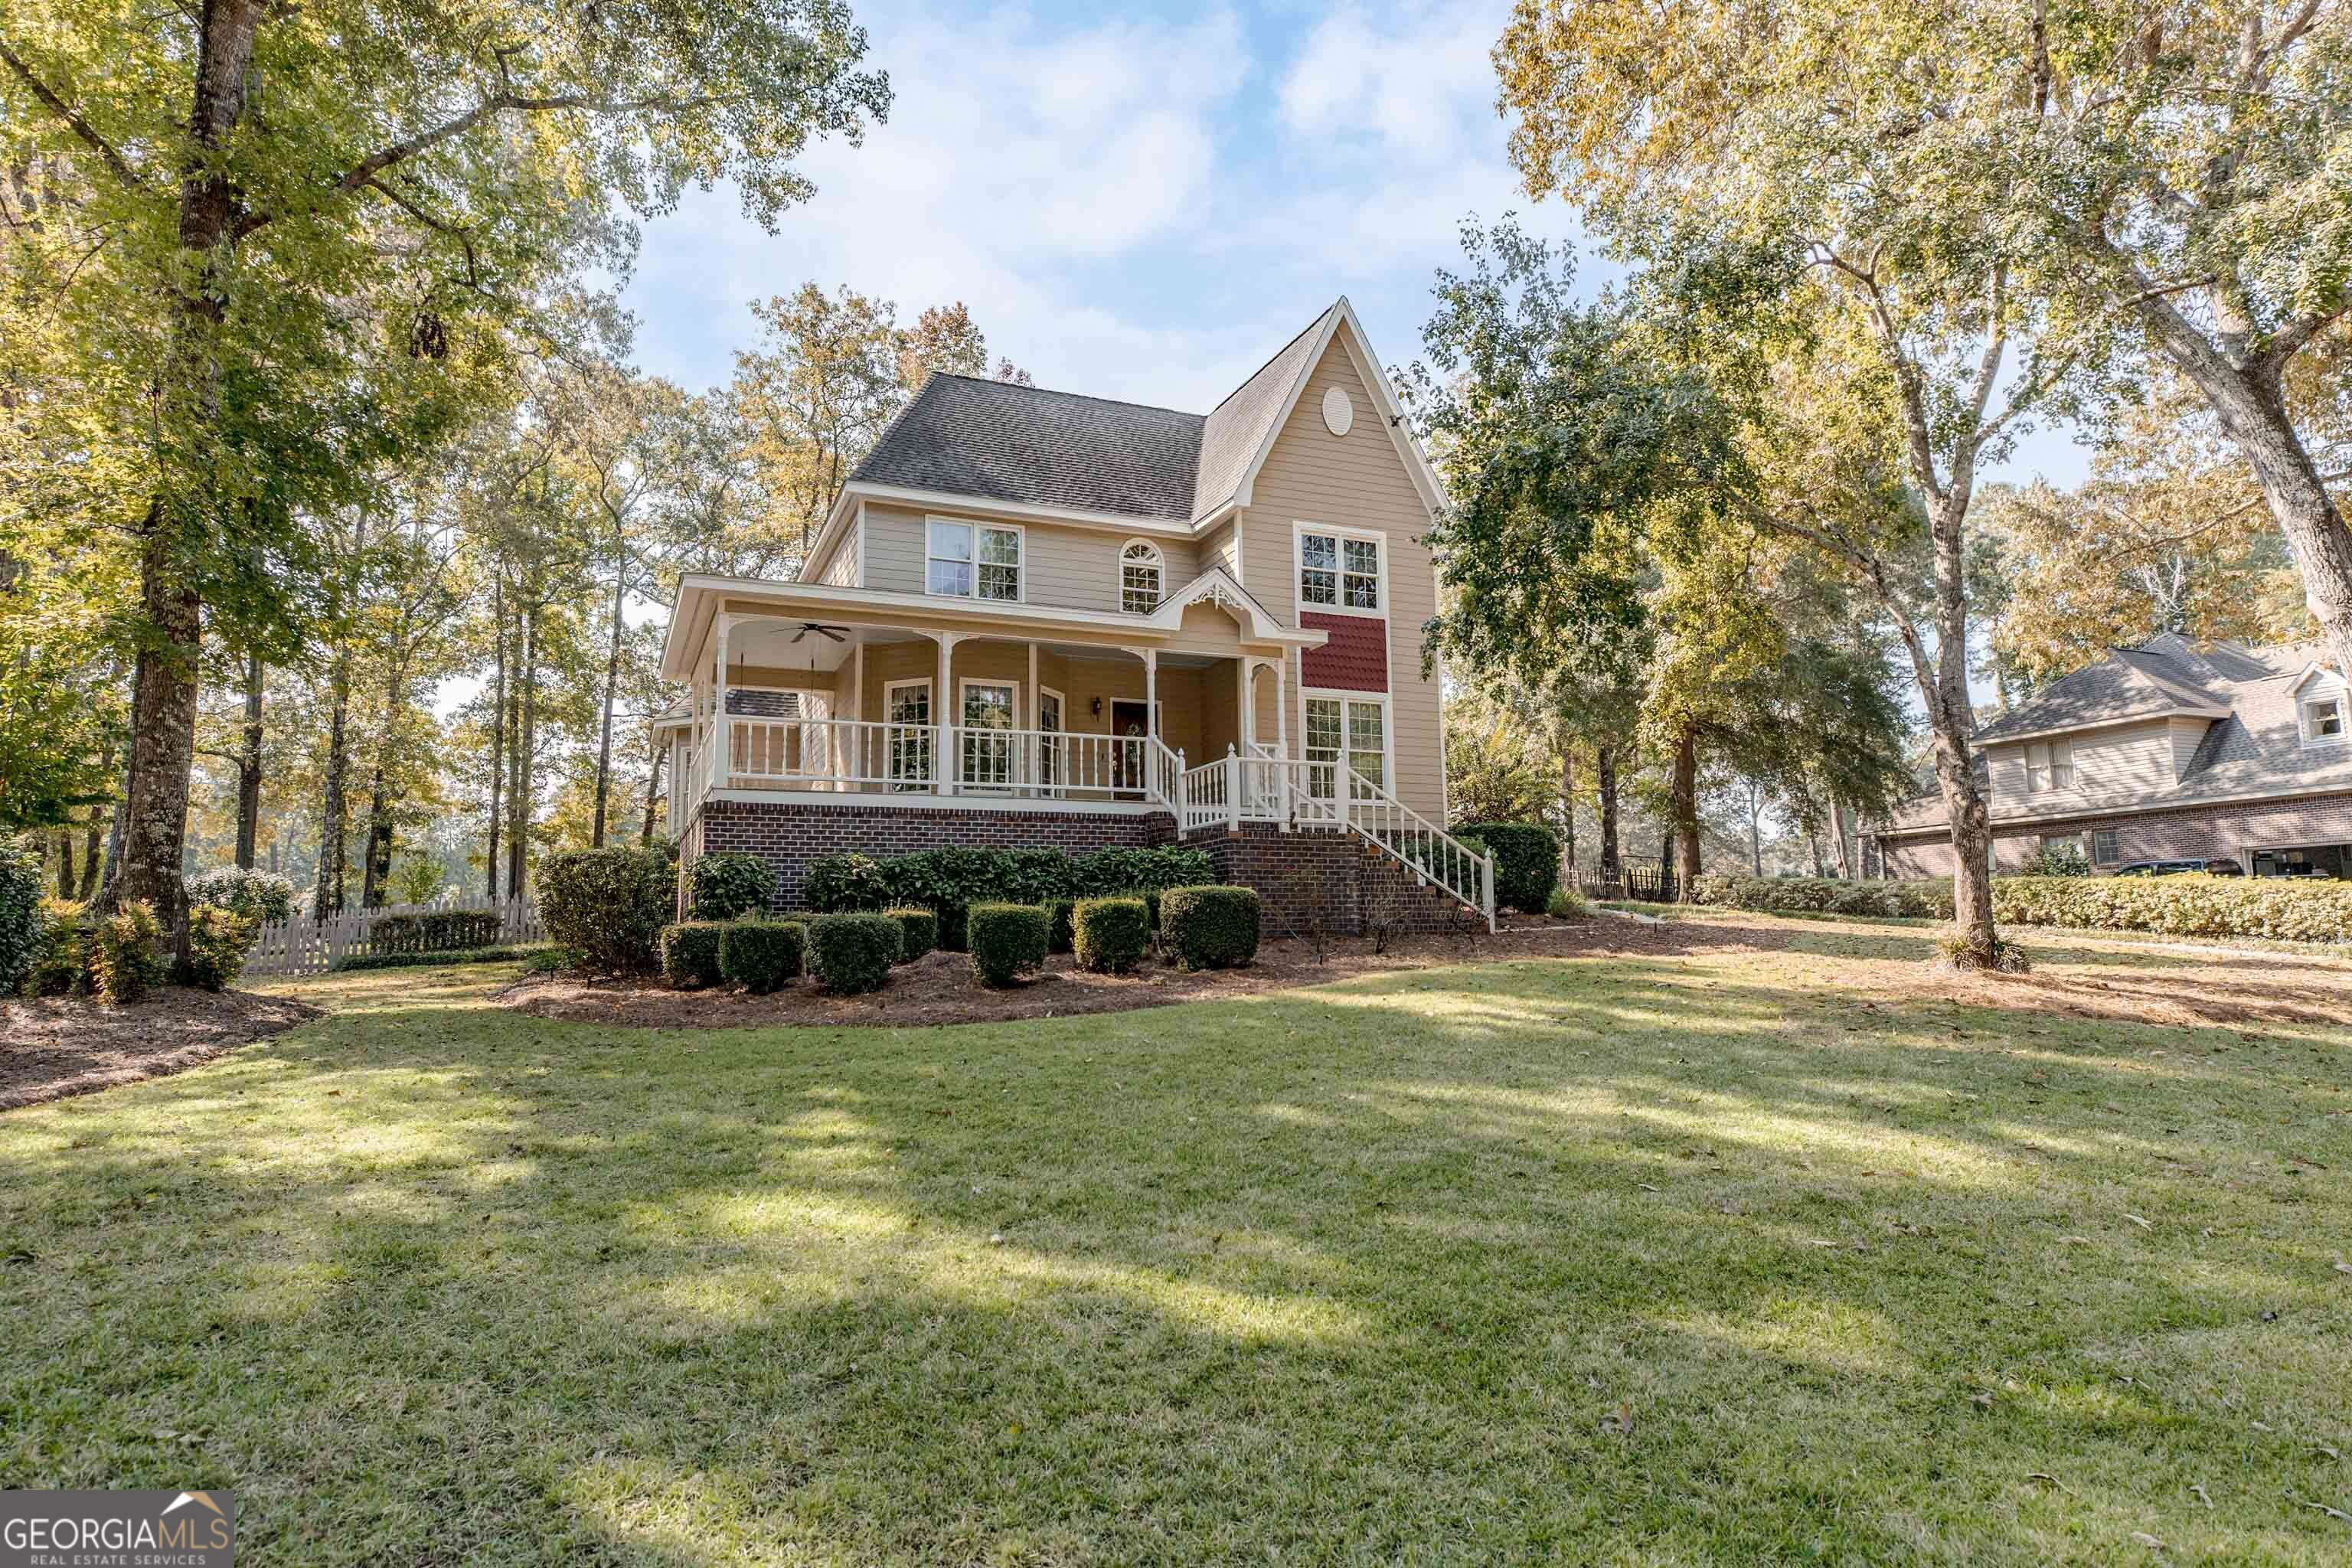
[761,955]
[435,930]
[919,931]
[257,894]
[608,905]
[1057,920]
[846,882]
[723,887]
[2194,904]
[1527,860]
[849,953]
[218,941]
[22,928]
[1109,935]
[360,960]
[1007,940]
[950,881]
[1928,898]
[690,952]
[1210,927]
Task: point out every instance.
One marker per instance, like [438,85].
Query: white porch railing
[862,756]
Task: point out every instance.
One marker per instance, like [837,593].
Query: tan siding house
[1099,620]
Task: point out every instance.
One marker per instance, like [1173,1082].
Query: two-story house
[2162,752]
[1035,619]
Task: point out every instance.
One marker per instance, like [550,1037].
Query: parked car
[2218,868]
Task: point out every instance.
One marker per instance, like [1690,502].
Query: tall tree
[431,167]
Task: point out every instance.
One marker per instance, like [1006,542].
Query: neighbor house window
[2104,850]
[1140,577]
[1337,569]
[2049,764]
[973,560]
[2322,720]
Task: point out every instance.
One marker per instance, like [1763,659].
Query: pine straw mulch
[53,1047]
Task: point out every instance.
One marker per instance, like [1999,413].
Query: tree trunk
[1686,793]
[1754,829]
[497,738]
[1605,767]
[1813,843]
[1837,831]
[377,877]
[65,862]
[522,785]
[604,741]
[249,767]
[334,823]
[1568,814]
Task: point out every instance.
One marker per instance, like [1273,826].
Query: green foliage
[124,962]
[919,931]
[1213,926]
[1926,898]
[435,930]
[1110,935]
[2061,859]
[1007,940]
[2191,905]
[218,940]
[1058,916]
[690,952]
[1107,871]
[1527,860]
[851,953]
[725,886]
[262,896]
[762,956]
[846,883]
[1957,951]
[608,905]
[1568,904]
[61,960]
[20,917]
[537,958]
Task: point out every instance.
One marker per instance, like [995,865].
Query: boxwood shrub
[849,953]
[919,931]
[21,926]
[950,881]
[762,956]
[1057,921]
[60,965]
[258,895]
[1007,940]
[1213,926]
[218,940]
[1527,860]
[690,952]
[608,905]
[124,964]
[1109,935]
[721,887]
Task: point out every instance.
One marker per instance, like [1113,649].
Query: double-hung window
[2048,765]
[1339,570]
[973,560]
[1347,737]
[1141,580]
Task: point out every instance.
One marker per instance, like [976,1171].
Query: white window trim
[965,683]
[2335,692]
[1045,691]
[1344,696]
[2095,834]
[890,686]
[1299,530]
[1158,564]
[976,524]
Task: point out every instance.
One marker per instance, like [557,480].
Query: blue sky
[1135,204]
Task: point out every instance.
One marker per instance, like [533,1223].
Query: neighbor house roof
[2252,746]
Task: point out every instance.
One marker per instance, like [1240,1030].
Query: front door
[1130,721]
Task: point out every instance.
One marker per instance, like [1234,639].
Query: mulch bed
[53,1047]
[938,988]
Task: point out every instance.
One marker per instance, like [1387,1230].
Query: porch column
[1151,691]
[719,768]
[945,763]
[1245,710]
[1030,747]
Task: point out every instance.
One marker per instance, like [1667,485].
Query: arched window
[1139,568]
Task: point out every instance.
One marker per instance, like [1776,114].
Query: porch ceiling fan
[832,632]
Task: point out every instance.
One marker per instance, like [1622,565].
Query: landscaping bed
[53,1047]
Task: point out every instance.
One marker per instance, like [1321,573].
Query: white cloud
[1422,88]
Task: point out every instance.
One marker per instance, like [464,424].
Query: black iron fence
[1649,884]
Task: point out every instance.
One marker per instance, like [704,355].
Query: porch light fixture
[1096,708]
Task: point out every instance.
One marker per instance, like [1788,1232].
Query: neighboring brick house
[1038,618]
[2161,751]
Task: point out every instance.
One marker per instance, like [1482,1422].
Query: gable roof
[2129,683]
[1027,447]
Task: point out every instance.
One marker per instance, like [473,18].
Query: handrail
[1285,789]
[1421,846]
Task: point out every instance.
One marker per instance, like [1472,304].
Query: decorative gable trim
[1216,586]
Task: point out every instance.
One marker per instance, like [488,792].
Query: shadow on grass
[1354,1272]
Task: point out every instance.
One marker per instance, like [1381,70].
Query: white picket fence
[307,946]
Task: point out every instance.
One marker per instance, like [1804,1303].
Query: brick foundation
[2230,832]
[1307,875]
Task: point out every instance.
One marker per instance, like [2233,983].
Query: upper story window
[2049,764]
[1339,571]
[1141,578]
[2324,720]
[974,560]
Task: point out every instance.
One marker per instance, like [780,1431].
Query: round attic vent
[1339,412]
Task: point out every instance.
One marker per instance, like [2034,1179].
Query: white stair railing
[1422,848]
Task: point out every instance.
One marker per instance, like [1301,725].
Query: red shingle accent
[1355,660]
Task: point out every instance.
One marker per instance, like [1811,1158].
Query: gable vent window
[1141,580]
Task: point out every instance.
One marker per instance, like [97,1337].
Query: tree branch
[75,122]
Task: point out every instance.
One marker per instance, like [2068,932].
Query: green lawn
[1725,1257]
